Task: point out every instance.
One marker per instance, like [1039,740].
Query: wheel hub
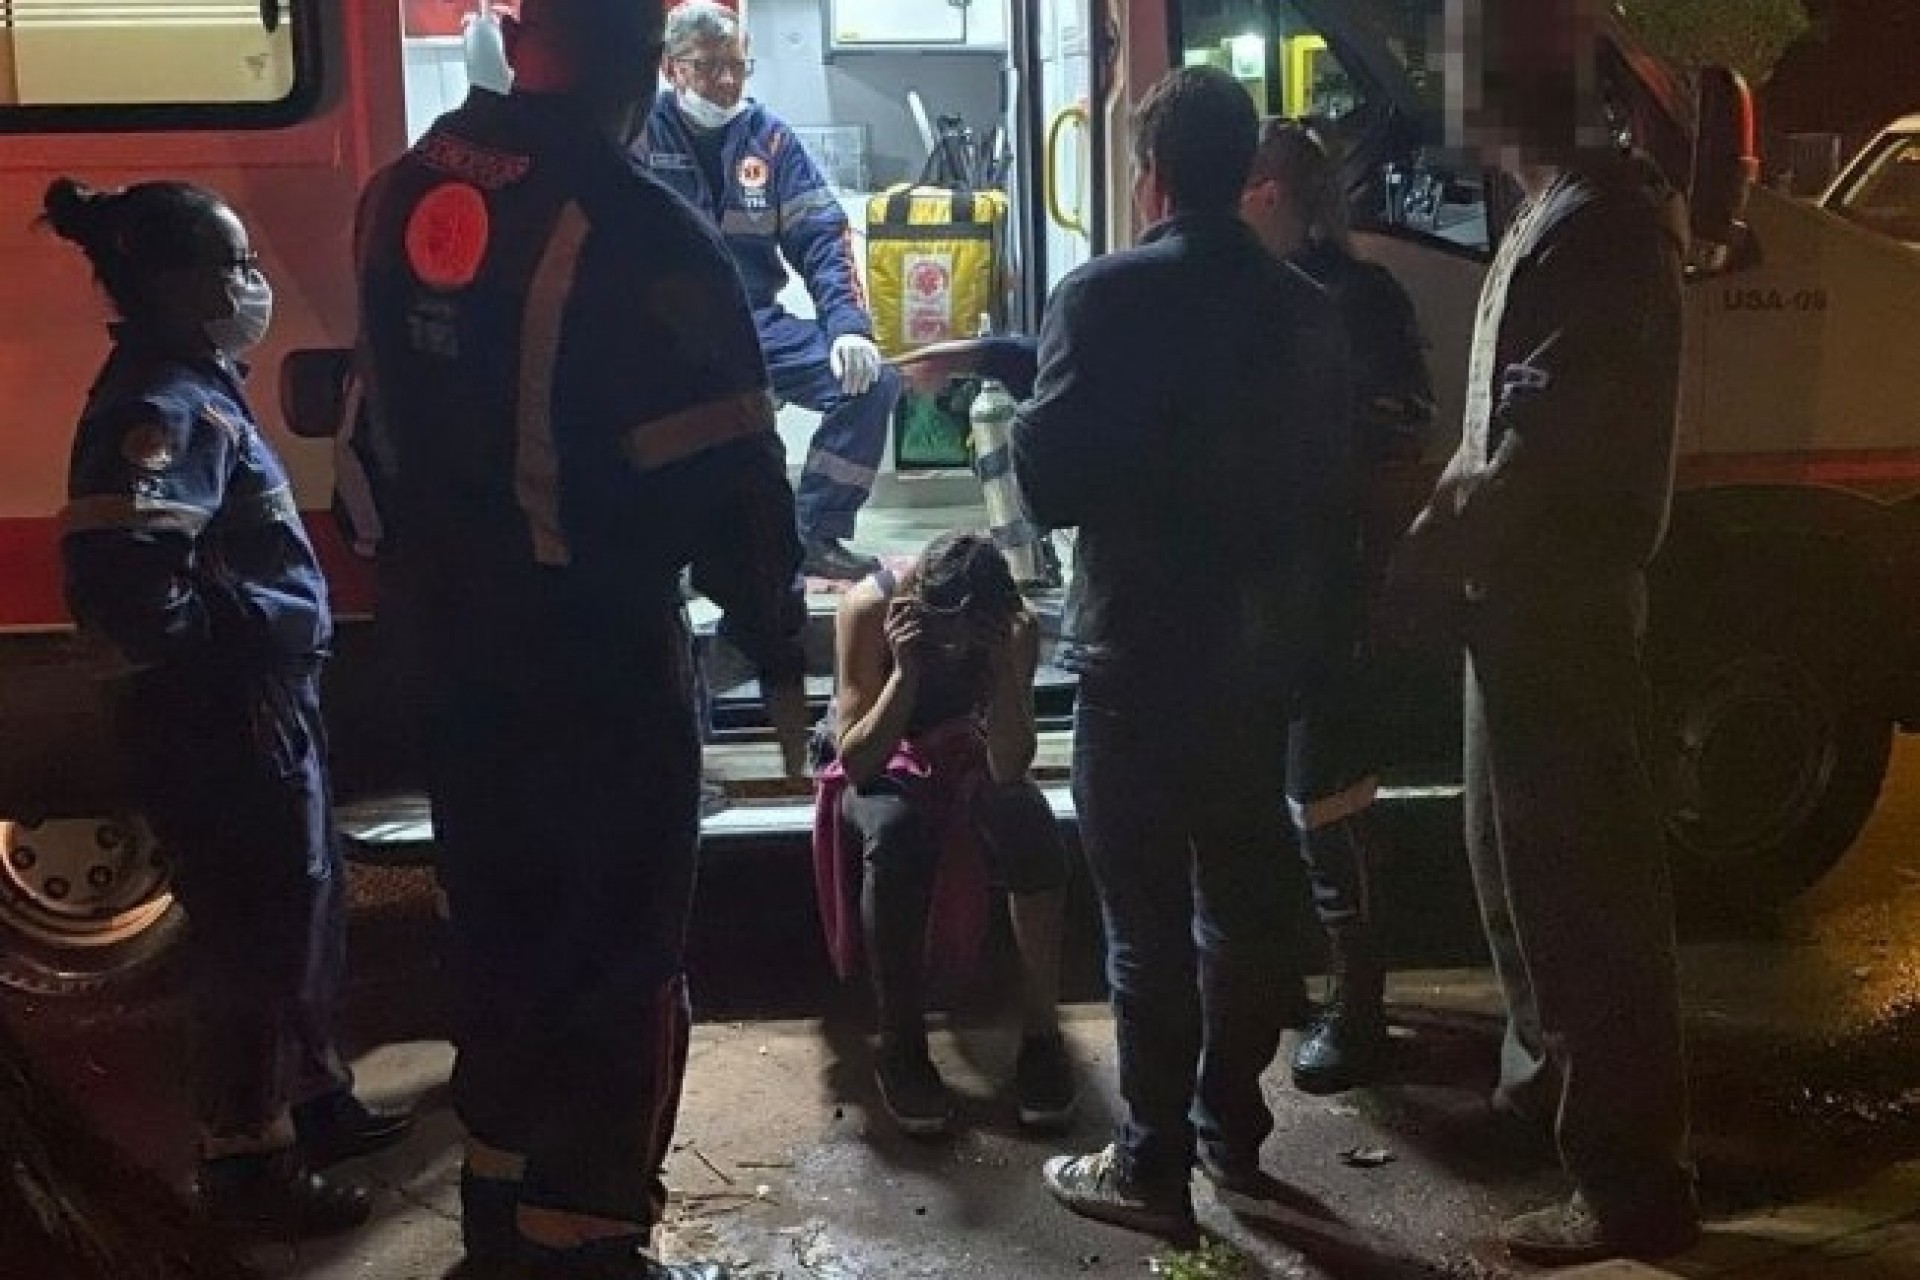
[1757,751]
[81,882]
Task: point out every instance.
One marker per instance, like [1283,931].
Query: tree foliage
[1747,35]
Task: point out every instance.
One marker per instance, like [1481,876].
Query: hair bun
[73,209]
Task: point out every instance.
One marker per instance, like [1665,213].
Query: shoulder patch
[147,447]
[447,234]
[466,161]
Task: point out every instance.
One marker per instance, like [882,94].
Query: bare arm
[872,704]
[1011,736]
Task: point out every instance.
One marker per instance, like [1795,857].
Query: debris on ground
[1215,1259]
[1366,1157]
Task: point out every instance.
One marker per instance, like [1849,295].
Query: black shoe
[1570,1234]
[279,1195]
[1092,1187]
[827,558]
[1044,1084]
[617,1260]
[338,1126]
[1343,1049]
[912,1091]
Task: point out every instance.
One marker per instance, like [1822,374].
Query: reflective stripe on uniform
[272,506]
[808,202]
[495,1163]
[352,486]
[735,223]
[841,471]
[132,512]
[1311,815]
[536,463]
[560,1229]
[681,435]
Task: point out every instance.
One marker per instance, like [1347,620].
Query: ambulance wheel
[84,905]
[1770,746]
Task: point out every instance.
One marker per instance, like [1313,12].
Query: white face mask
[252,315]
[707,113]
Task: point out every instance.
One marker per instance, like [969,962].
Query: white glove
[856,362]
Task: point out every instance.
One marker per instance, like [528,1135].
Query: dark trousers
[230,769]
[901,854]
[566,790]
[1190,850]
[1332,749]
[843,459]
[1565,839]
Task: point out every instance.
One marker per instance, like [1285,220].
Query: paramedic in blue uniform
[565,383]
[186,560]
[742,167]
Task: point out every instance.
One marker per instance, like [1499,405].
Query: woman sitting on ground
[934,734]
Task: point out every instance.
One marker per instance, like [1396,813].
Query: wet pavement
[1805,1041]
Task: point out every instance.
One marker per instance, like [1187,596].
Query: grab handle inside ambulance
[1076,115]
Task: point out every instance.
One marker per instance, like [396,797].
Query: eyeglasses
[712,68]
[244,263]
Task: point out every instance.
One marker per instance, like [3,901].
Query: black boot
[1347,1044]
[277,1194]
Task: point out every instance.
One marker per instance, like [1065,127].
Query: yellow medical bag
[935,264]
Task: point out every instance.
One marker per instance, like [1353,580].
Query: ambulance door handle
[1056,130]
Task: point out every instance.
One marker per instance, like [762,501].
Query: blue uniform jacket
[180,536]
[568,400]
[774,202]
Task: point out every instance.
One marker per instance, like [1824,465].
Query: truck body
[1784,647]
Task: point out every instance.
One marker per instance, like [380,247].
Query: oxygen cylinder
[991,421]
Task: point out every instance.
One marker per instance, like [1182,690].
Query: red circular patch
[447,236]
[753,171]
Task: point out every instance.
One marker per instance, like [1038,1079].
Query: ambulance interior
[872,89]
[884,93]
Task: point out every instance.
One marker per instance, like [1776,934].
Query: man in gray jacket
[1537,538]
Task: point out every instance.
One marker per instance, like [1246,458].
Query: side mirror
[1726,163]
[314,389]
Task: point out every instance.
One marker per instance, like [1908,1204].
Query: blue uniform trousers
[845,454]
[565,784]
[229,767]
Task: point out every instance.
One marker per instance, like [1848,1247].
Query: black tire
[1771,742]
[84,907]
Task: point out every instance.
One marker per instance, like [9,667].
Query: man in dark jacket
[1538,535]
[1189,418]
[565,382]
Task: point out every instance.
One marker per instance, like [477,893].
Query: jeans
[1182,817]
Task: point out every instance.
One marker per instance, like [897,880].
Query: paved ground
[1806,1049]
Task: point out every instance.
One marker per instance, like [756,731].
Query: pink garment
[940,771]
